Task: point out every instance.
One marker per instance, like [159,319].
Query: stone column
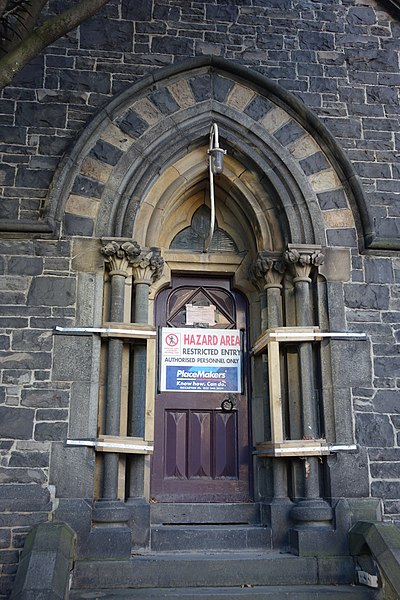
[117,257]
[270,267]
[146,268]
[312,509]
[111,534]
[269,272]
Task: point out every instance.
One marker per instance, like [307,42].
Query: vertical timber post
[273,288]
[270,270]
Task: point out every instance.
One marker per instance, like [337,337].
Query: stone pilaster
[312,510]
[110,514]
[267,274]
[147,267]
[117,257]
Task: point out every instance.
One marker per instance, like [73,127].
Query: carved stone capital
[148,266]
[118,256]
[268,270]
[302,258]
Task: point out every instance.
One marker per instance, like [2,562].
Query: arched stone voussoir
[145,130]
[258,153]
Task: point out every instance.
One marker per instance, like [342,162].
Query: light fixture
[215,167]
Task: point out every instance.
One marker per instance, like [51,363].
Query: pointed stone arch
[287,176]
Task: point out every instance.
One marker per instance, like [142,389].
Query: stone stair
[217,575]
[199,527]
[320,592]
[214,551]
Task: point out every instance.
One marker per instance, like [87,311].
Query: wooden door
[201,451]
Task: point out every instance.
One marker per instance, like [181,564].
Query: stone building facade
[104,206]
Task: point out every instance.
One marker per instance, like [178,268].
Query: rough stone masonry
[340,57]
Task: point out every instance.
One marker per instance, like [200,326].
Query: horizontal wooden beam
[116,444]
[284,334]
[300,334]
[129,330]
[318,447]
[123,444]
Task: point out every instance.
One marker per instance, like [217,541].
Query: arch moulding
[144,158]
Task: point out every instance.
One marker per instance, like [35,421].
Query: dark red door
[201,452]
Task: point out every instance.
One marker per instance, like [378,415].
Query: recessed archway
[140,171]
[243,207]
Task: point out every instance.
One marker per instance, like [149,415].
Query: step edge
[336,590]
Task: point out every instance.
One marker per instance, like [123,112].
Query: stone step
[317,592]
[214,569]
[168,538]
[206,513]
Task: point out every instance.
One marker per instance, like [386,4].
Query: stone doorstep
[205,513]
[216,568]
[202,527]
[244,593]
[210,537]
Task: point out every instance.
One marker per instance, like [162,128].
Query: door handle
[229,403]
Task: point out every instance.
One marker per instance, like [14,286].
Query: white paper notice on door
[200,314]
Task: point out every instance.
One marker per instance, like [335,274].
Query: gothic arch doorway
[136,181]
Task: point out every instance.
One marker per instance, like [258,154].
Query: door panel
[200,459]
[175,444]
[226,445]
[201,453]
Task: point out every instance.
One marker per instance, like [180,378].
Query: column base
[321,538]
[102,529]
[312,513]
[110,513]
[107,543]
[110,535]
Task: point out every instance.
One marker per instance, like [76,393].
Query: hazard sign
[201,360]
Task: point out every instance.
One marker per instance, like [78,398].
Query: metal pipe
[288,451]
[314,335]
[105,330]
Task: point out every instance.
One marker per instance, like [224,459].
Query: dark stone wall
[340,57]
[37,290]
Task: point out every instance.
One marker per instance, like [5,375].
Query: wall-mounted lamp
[217,160]
[215,167]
